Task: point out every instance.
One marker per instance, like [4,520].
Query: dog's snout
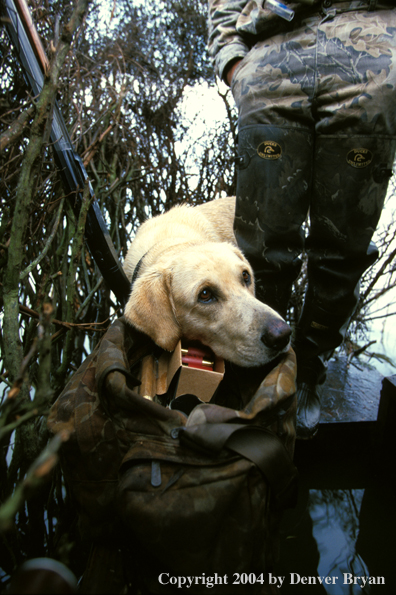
[276,335]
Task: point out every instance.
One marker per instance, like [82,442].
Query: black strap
[137,270]
[259,445]
[267,451]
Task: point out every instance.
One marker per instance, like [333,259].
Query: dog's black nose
[277,334]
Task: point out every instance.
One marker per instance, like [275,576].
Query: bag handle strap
[267,452]
[259,445]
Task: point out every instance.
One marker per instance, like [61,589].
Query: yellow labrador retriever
[190,280]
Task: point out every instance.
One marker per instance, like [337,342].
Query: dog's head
[206,293]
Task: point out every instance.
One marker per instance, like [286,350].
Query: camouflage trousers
[317,130]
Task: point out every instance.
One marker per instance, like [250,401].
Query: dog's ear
[149,309]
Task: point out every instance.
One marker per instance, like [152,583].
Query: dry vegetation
[119,80]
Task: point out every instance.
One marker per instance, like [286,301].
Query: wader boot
[317,335]
[273,188]
[350,181]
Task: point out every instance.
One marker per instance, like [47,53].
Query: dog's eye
[246,278]
[205,295]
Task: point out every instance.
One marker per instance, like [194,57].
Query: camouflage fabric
[333,76]
[182,506]
[317,134]
[341,183]
[235,26]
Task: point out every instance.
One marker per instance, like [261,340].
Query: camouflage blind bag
[193,498]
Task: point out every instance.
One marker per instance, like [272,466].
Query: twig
[36,476]
[90,152]
[4,379]
[44,393]
[71,290]
[89,326]
[357,352]
[16,387]
[44,252]
[88,299]
[16,129]
[369,319]
[9,428]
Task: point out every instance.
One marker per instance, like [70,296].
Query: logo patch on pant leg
[269,149]
[359,158]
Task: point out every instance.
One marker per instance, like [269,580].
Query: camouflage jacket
[234,25]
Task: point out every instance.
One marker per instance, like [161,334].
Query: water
[343,528]
[343,536]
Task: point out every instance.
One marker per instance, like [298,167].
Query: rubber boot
[273,187]
[317,335]
[350,182]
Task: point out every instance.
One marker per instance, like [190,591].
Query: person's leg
[350,182]
[274,179]
[272,89]
[333,77]
[353,107]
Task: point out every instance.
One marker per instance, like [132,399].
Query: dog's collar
[137,270]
